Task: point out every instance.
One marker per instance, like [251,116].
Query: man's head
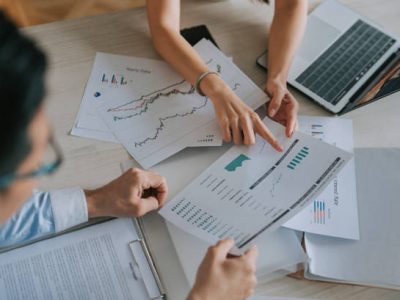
[24,131]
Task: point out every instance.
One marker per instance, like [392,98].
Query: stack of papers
[375,258]
[154,113]
[334,212]
[151,110]
[91,263]
[254,190]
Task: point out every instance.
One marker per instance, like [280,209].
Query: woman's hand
[236,119]
[282,107]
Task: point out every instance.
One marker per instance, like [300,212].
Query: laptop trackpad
[318,36]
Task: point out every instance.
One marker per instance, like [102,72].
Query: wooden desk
[236,24]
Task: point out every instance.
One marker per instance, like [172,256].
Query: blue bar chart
[302,154]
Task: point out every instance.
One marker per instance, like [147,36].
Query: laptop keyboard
[345,62]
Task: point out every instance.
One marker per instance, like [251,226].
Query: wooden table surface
[240,28]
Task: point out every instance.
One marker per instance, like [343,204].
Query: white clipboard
[145,265]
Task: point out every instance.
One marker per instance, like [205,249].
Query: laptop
[341,55]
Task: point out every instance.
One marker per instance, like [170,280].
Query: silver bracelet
[200,78]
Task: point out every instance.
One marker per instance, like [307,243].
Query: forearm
[165,30]
[285,35]
[43,214]
[179,54]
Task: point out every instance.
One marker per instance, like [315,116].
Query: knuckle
[234,119]
[248,269]
[135,172]
[224,122]
[212,250]
[254,116]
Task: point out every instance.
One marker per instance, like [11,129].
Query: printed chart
[150,119]
[250,190]
[334,212]
[115,77]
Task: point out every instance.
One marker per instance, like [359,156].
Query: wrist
[93,203]
[212,85]
[279,79]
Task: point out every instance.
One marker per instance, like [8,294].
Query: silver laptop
[339,54]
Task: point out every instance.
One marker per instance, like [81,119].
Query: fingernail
[272,112]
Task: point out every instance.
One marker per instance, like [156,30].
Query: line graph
[178,88]
[275,183]
[162,120]
[158,114]
[141,105]
[146,100]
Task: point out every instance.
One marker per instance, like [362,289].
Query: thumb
[146,205]
[275,102]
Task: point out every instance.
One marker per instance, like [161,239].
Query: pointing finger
[264,132]
[248,131]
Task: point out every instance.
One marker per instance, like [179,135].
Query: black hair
[22,69]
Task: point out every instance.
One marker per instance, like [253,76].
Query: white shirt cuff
[69,208]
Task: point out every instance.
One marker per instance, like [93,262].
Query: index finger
[251,255]
[263,131]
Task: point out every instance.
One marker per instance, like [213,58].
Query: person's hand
[134,193]
[220,277]
[282,107]
[236,119]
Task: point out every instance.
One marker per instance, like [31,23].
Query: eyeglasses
[53,155]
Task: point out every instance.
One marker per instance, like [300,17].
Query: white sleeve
[69,208]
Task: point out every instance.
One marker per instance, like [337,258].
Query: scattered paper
[151,118]
[250,190]
[277,252]
[115,75]
[334,212]
[91,263]
[375,258]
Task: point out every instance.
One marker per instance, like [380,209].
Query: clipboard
[143,269]
[145,264]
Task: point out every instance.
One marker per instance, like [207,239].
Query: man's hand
[221,278]
[282,107]
[134,193]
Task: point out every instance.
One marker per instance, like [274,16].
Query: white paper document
[114,76]
[375,258]
[277,252]
[334,212]
[251,190]
[150,118]
[91,263]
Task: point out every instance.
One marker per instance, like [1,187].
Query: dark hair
[22,68]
